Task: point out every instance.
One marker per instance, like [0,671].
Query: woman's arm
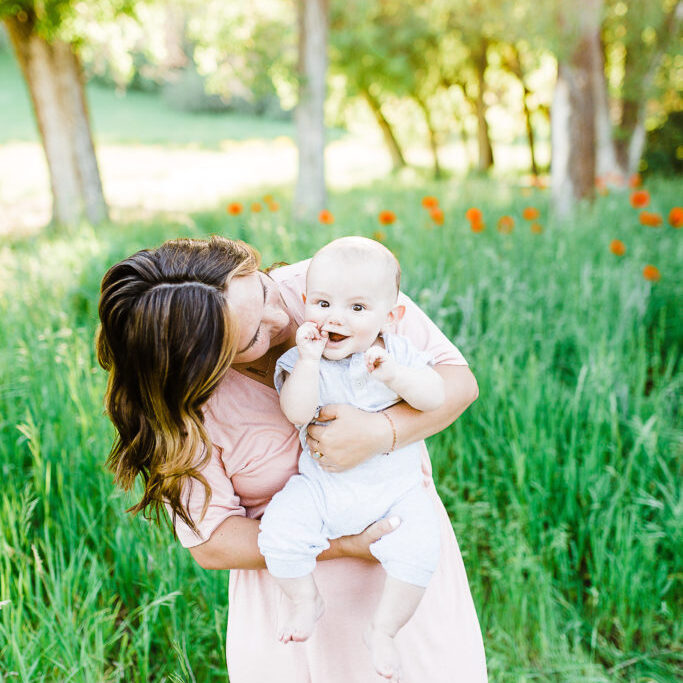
[351,435]
[233,545]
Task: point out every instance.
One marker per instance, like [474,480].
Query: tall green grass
[562,480]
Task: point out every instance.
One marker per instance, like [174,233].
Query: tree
[573,108]
[47,53]
[387,51]
[310,195]
[635,37]
[364,48]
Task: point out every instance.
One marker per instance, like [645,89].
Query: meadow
[562,481]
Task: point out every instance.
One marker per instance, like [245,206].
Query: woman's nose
[276,317]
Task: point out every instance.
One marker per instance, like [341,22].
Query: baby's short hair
[356,247]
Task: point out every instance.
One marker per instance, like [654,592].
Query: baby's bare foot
[295,619]
[384,653]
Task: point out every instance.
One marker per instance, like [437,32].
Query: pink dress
[255,452]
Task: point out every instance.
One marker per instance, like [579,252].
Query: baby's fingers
[374,357]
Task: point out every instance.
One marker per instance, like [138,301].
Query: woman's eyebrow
[253,339]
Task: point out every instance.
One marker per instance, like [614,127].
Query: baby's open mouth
[334,337]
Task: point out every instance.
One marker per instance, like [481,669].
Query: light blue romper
[315,505]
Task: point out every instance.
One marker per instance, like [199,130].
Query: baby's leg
[397,604]
[409,555]
[290,540]
[300,607]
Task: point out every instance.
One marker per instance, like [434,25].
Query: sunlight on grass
[561,480]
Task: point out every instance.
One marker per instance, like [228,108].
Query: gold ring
[317,455]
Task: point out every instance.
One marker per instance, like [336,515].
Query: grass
[132,118]
[562,481]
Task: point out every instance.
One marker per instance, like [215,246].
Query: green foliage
[664,147]
[246,49]
[62,18]
[561,480]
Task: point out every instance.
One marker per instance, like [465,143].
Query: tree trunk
[630,138]
[483,138]
[607,165]
[433,142]
[54,78]
[573,116]
[397,159]
[514,65]
[310,195]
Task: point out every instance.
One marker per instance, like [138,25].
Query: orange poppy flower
[536,228]
[386,217]
[473,215]
[255,207]
[601,186]
[506,224]
[379,235]
[640,199]
[430,202]
[653,220]
[530,213]
[436,215]
[477,226]
[268,198]
[651,273]
[326,217]
[676,217]
[635,180]
[617,247]
[234,208]
[273,206]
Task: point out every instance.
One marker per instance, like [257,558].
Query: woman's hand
[349,436]
[358,546]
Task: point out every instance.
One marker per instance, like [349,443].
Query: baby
[345,353]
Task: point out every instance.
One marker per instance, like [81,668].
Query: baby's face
[349,301]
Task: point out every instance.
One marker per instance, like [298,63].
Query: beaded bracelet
[393,432]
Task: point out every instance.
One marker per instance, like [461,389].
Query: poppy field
[562,481]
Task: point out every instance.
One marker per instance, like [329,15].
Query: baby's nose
[333,318]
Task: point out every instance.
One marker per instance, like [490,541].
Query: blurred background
[522,159]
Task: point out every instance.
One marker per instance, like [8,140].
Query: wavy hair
[166,338]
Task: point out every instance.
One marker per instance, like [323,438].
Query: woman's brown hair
[167,340]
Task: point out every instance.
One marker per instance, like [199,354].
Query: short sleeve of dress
[224,503]
[426,336]
[285,364]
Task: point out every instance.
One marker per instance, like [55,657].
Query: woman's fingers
[359,544]
[378,529]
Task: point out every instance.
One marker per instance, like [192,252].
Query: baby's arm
[423,388]
[299,396]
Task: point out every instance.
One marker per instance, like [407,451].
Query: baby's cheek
[312,313]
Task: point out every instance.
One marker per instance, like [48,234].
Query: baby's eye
[323,304]
[358,307]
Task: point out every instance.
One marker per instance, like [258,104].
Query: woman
[190,334]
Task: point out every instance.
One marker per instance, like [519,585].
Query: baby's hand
[380,364]
[310,341]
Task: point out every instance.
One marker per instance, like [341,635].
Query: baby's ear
[394,315]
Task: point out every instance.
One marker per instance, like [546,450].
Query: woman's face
[264,321]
